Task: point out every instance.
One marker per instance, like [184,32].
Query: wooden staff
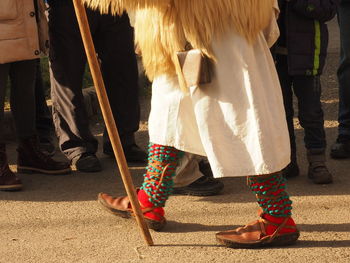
[108,118]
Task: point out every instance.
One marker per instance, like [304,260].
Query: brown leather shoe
[122,207]
[254,235]
[32,160]
[318,172]
[8,180]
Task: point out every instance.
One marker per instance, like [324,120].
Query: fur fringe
[162,27]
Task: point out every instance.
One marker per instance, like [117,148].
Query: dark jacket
[304,34]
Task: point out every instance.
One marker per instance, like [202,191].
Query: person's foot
[265,232]
[340,149]
[154,216]
[133,153]
[318,172]
[8,180]
[292,170]
[203,186]
[32,160]
[87,162]
[47,147]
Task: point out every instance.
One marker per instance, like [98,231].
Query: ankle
[270,229]
[157,213]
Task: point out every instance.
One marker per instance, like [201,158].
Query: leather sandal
[254,235]
[121,207]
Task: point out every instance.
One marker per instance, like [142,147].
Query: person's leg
[115,47]
[308,91]
[4,72]
[67,63]
[195,178]
[43,117]
[341,149]
[22,76]
[8,180]
[286,80]
[155,190]
[276,227]
[30,157]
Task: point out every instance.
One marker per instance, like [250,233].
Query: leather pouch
[195,67]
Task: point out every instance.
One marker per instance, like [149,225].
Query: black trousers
[113,39]
[43,119]
[22,99]
[307,89]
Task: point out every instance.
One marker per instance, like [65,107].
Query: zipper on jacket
[317,48]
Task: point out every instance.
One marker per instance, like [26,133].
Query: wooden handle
[108,118]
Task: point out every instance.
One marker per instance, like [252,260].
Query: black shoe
[133,153]
[205,168]
[8,180]
[204,186]
[47,147]
[292,170]
[340,150]
[87,162]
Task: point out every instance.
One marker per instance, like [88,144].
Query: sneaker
[87,162]
[32,160]
[8,180]
[133,153]
[340,150]
[203,186]
[292,170]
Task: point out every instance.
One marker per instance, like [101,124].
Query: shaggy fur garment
[162,27]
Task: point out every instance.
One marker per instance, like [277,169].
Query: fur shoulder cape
[162,27]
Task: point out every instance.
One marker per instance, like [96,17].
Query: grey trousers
[187,170]
[22,98]
[113,39]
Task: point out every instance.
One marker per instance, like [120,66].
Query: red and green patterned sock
[273,200]
[158,180]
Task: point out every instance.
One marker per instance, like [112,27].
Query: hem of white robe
[223,173]
[177,146]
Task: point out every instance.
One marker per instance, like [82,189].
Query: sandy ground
[56,219]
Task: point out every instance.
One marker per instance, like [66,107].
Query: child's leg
[276,227]
[286,82]
[308,91]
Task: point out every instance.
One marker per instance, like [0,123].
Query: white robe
[237,121]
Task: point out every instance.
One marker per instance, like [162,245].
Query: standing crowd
[245,129]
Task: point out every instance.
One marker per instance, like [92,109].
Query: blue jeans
[344,72]
[307,89]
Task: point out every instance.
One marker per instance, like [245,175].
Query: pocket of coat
[8,9]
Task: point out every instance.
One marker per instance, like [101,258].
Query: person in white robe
[236,120]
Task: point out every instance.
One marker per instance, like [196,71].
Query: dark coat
[305,34]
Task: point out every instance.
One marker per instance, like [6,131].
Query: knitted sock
[273,200]
[158,180]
